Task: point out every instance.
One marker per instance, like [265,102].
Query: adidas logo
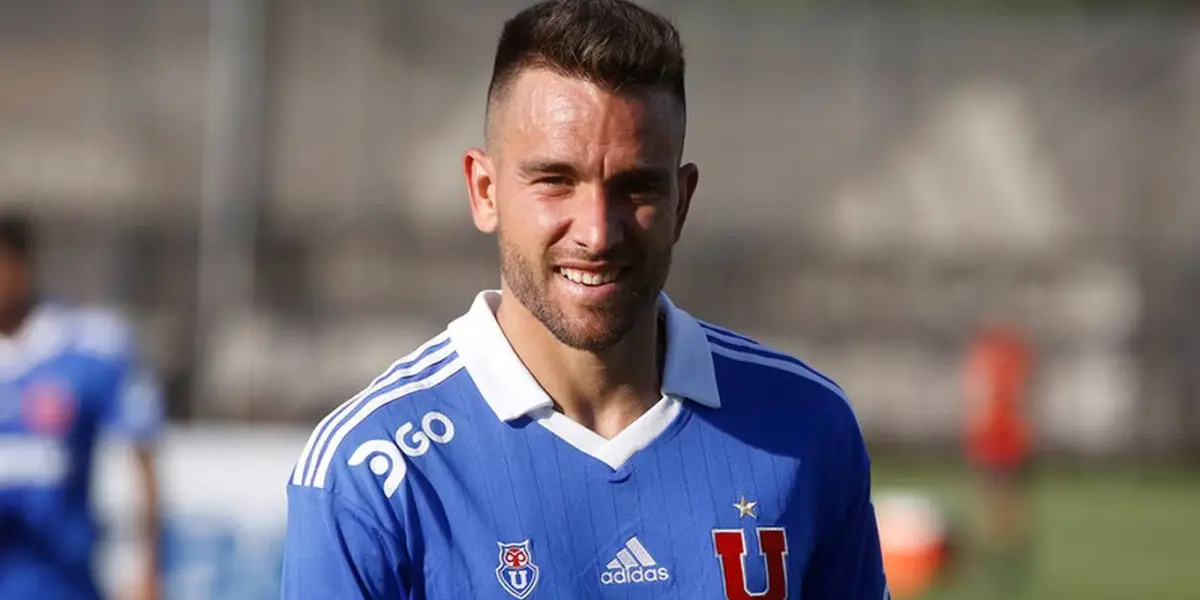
[633,564]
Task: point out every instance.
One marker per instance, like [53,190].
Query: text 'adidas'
[633,564]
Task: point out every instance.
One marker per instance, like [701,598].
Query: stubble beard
[611,321]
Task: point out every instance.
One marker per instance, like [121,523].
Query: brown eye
[643,191]
[553,181]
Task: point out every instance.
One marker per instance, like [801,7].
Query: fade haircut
[613,44]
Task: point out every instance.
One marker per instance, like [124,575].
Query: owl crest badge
[517,572]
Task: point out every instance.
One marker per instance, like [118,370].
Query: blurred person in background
[575,434]
[67,375]
[998,446]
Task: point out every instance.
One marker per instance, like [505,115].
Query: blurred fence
[272,189]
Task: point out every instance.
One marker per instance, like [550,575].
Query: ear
[481,189]
[689,176]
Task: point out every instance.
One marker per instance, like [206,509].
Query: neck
[604,391]
[13,317]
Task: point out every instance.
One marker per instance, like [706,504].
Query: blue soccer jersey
[67,375]
[451,476]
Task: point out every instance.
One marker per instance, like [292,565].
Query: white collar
[41,336]
[512,392]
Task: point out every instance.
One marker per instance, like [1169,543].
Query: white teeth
[589,277]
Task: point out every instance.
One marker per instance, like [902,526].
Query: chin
[595,335]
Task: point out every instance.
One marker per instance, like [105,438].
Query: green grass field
[1119,534]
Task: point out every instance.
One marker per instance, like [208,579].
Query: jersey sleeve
[848,561]
[133,405]
[335,549]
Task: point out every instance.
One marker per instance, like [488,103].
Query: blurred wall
[272,190]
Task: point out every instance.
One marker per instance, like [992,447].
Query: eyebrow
[552,167]
[643,174]
[544,167]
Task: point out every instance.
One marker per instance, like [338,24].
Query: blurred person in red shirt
[998,446]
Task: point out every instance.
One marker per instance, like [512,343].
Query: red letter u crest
[731,549]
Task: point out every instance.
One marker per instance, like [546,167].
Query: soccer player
[575,434]
[66,375]
[999,448]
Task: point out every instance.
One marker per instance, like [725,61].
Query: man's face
[584,190]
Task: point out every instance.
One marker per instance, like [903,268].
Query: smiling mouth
[590,278]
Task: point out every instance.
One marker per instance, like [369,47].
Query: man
[574,434]
[999,448]
[66,375]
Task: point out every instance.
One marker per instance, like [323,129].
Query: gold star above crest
[746,508]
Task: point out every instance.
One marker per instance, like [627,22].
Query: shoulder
[361,443]
[786,402]
[747,368]
[98,331]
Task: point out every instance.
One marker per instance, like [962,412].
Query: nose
[598,224]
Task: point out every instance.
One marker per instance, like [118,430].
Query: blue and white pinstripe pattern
[741,348]
[323,442]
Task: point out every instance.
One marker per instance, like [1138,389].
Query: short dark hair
[16,235]
[611,43]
